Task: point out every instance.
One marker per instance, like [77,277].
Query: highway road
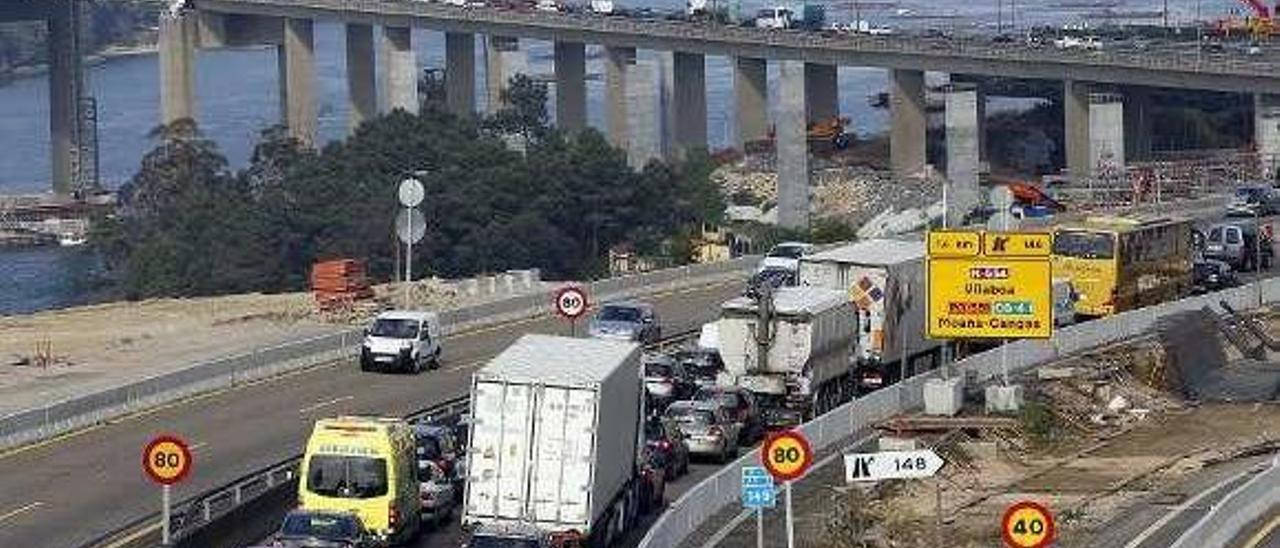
[1266,534]
[72,489]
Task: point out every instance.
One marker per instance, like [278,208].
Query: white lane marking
[314,407]
[196,446]
[464,366]
[21,510]
[1177,511]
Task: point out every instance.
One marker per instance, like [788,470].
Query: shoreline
[107,54]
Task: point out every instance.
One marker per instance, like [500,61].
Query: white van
[401,340]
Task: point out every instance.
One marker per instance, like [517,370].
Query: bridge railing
[712,495]
[1186,60]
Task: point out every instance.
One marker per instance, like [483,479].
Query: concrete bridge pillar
[823,89]
[177,48]
[362,85]
[751,96]
[460,73]
[644,114]
[400,73]
[907,113]
[1075,124]
[503,60]
[617,63]
[571,86]
[689,100]
[1106,132]
[792,147]
[1266,128]
[1137,123]
[66,82]
[963,129]
[296,61]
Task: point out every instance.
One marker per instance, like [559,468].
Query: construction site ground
[1106,440]
[54,355]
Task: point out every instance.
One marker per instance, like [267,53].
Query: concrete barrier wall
[38,424]
[715,493]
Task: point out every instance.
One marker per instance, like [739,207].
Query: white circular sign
[411,192]
[571,302]
[411,226]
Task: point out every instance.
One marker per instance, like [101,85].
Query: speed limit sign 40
[571,302]
[786,455]
[1027,525]
[167,460]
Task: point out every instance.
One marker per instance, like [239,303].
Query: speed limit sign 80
[167,460]
[571,302]
[786,455]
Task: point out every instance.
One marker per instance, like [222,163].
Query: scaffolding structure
[1170,176]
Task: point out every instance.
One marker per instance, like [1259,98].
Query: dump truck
[555,449]
[885,281]
[792,347]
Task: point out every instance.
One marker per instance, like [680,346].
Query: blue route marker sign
[757,488]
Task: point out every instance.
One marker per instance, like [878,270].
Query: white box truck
[808,351]
[555,444]
[885,281]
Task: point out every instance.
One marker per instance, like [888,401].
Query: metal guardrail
[59,417]
[687,514]
[780,43]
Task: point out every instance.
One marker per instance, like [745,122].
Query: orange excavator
[826,135]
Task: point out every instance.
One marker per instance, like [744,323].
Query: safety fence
[56,418]
[715,493]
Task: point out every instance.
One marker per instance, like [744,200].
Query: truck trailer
[793,347]
[555,443]
[885,281]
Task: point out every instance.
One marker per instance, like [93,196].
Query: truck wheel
[435,359]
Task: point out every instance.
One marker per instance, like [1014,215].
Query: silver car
[629,321]
[708,431]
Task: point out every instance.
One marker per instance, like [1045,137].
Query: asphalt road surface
[70,490]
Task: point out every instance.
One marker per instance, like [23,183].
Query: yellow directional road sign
[1004,292]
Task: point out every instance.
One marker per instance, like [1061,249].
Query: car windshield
[1249,195]
[787,251]
[327,527]
[348,477]
[653,431]
[619,314]
[724,399]
[700,417]
[429,448]
[1233,236]
[482,541]
[395,329]
[1084,244]
[657,370]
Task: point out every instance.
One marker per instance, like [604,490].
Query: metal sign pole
[408,260]
[791,526]
[760,527]
[164,515]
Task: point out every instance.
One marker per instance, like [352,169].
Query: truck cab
[775,18]
[401,341]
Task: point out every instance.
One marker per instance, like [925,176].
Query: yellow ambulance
[366,466]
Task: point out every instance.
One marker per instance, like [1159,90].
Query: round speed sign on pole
[787,456]
[166,460]
[571,303]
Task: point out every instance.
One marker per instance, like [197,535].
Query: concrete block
[1004,399]
[943,396]
[894,443]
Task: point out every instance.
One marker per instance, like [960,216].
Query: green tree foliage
[193,227]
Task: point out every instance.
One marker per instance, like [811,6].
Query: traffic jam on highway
[571,441]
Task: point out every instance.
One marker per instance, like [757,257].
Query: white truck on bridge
[884,279]
[793,347]
[555,448]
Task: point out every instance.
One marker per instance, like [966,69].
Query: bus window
[1084,244]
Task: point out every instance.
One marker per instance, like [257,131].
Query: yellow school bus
[367,466]
[1122,263]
